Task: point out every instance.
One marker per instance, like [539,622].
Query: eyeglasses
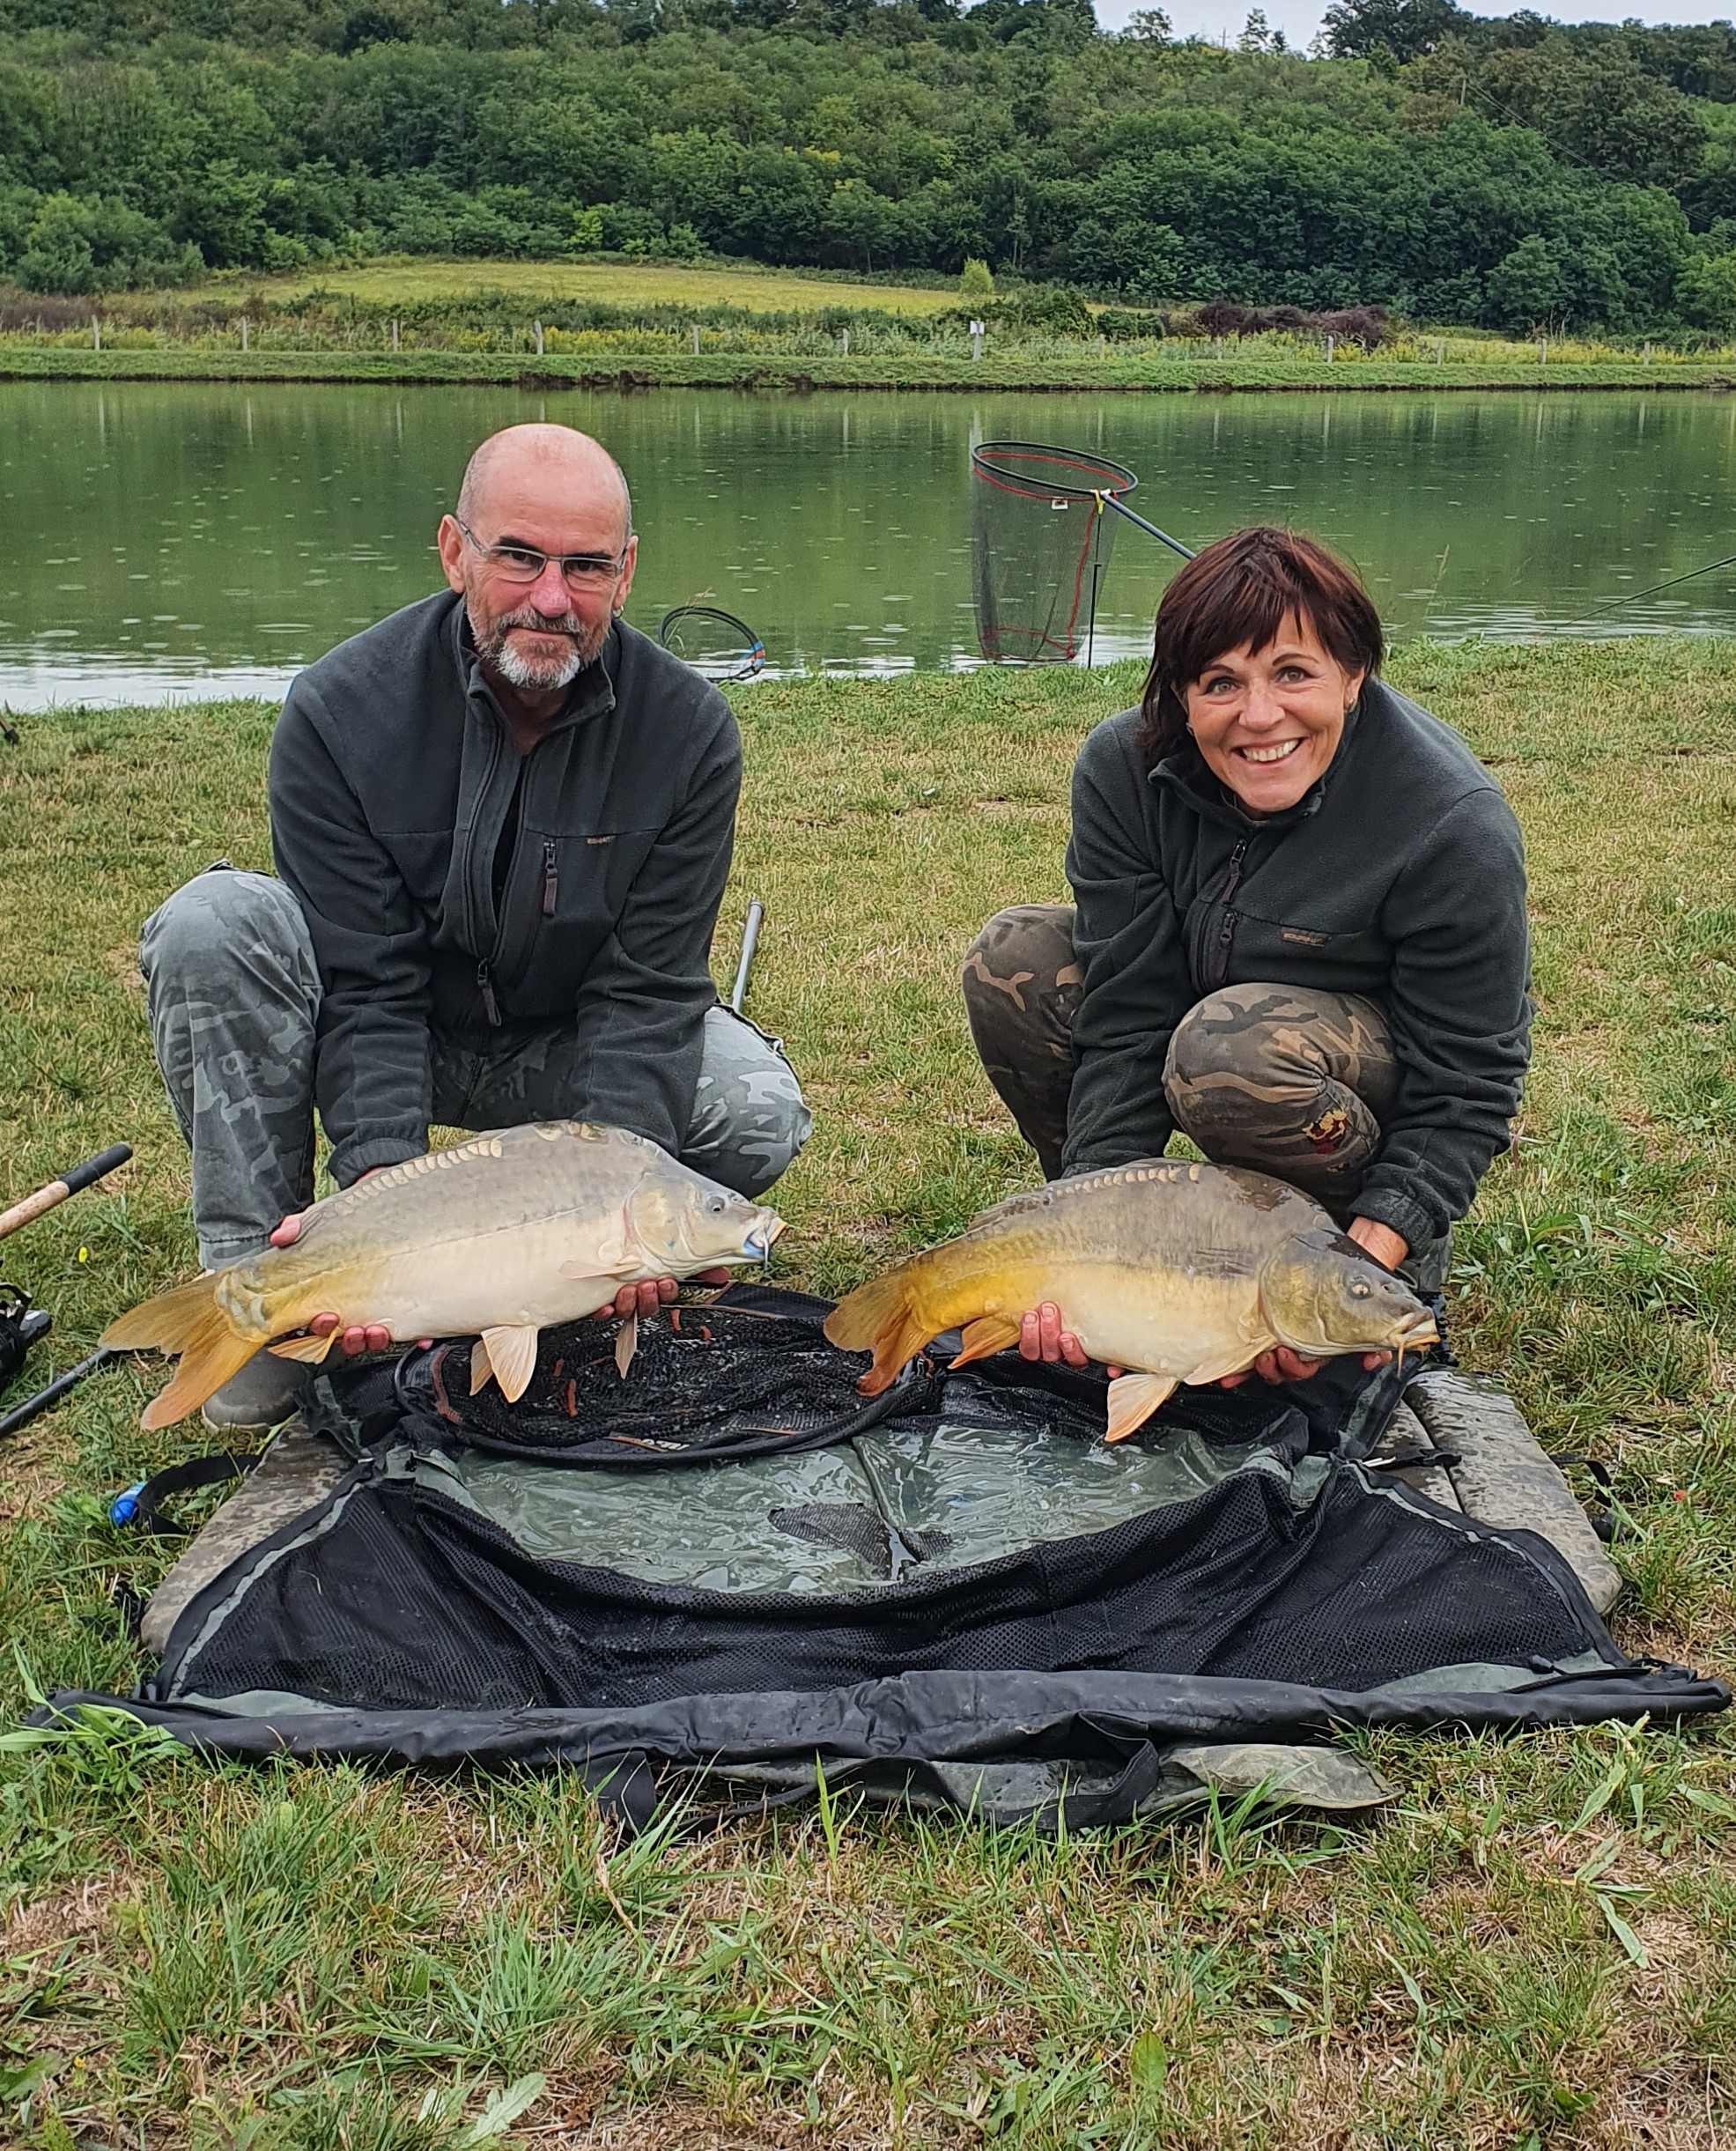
[522,564]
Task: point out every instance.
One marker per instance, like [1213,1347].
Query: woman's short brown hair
[1235,594]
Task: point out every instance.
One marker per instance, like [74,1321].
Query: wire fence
[559,328]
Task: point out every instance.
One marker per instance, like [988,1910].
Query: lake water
[161,539]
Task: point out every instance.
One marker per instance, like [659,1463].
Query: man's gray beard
[498,653]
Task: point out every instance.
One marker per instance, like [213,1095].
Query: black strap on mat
[145,1511]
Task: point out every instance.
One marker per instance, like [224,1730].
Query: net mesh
[704,1380]
[1040,543]
[408,1601]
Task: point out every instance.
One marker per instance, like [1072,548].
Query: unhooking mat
[727,1563]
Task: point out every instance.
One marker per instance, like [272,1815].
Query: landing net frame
[1036,575]
[1035,578]
[718,645]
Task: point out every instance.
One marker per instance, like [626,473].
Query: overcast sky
[1299,20]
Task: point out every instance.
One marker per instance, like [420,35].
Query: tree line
[1510,173]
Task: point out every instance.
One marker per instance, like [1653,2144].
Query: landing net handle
[1040,542]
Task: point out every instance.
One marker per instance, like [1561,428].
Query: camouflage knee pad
[233,991]
[1284,1080]
[1022,984]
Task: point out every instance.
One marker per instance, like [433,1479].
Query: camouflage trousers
[1278,1078]
[234,996]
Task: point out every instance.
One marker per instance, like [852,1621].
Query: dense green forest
[1510,173]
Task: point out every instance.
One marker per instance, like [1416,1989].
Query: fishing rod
[21,1324]
[1634,597]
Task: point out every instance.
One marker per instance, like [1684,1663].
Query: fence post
[96,332]
[1441,352]
[976,339]
[1645,355]
[394,332]
[537,328]
[843,342]
[693,334]
[1103,345]
[244,332]
[1542,351]
[1331,342]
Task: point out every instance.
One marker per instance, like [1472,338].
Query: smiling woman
[1300,935]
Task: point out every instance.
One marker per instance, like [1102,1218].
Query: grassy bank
[611,367]
[408,280]
[616,323]
[309,1957]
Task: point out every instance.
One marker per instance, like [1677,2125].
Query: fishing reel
[21,1326]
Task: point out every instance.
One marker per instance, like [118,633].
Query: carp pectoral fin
[481,1371]
[1133,1398]
[614,1262]
[989,1333]
[626,1343]
[309,1350]
[512,1353]
[1236,1363]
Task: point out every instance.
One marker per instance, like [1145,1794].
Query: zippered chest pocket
[1211,923]
[584,882]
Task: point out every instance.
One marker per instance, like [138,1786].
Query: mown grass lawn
[1535,1946]
[616,284]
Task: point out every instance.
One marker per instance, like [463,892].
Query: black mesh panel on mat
[705,1382]
[751,1374]
[407,1598]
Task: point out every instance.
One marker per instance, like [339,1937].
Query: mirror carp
[498,1238]
[1179,1273]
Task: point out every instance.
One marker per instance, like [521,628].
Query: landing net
[716,644]
[1040,541]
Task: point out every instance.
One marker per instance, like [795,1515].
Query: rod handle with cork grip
[51,1196]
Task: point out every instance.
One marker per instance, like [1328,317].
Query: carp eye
[1360,1289]
[714,1206]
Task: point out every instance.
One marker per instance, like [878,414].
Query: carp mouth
[1417,1332]
[759,1242]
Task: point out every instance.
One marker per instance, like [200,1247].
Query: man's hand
[356,1338]
[1281,1364]
[653,1292]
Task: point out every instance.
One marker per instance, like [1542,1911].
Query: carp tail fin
[882,1317]
[166,1323]
[187,1321]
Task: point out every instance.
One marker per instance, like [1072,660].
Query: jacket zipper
[485,986]
[1226,930]
[551,879]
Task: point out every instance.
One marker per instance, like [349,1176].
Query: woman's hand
[1042,1337]
[1281,1364]
[1384,1245]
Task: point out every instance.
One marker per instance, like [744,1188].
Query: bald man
[502,820]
